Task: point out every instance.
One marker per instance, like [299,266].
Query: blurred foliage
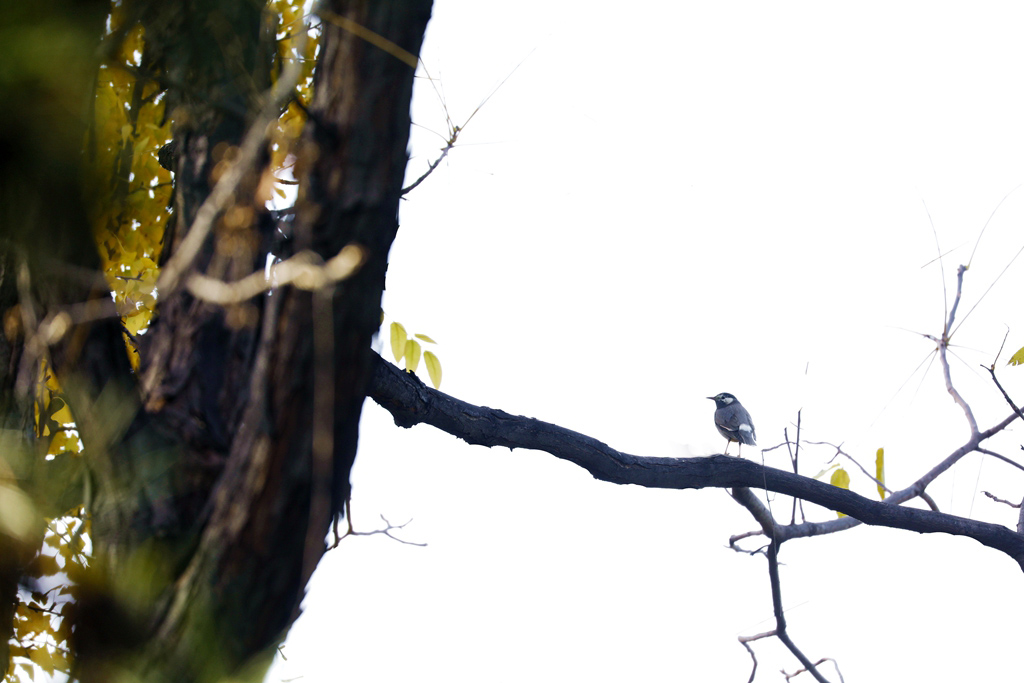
[132,190]
[41,629]
[131,198]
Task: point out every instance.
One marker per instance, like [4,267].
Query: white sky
[663,203]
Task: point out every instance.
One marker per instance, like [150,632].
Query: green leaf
[880,472]
[841,479]
[1017,358]
[433,368]
[412,355]
[398,339]
[425,338]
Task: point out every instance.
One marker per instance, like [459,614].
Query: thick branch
[410,402]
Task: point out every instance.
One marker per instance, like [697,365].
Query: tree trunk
[218,469]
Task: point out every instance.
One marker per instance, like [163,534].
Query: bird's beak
[710,398]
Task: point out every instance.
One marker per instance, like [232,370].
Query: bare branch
[745,642]
[386,531]
[915,490]
[943,345]
[1001,457]
[818,663]
[733,540]
[434,164]
[1015,506]
[748,500]
[840,451]
[794,457]
[411,402]
[1006,396]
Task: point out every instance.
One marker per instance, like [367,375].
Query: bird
[733,421]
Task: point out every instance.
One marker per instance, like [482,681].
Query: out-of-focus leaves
[425,338]
[43,656]
[1017,358]
[18,515]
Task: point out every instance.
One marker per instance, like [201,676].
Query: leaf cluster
[410,350]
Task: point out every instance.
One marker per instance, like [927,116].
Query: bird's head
[722,399]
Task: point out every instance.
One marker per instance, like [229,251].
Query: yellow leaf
[1017,358]
[880,472]
[139,320]
[63,415]
[43,657]
[398,338]
[433,367]
[60,443]
[841,479]
[412,355]
[425,338]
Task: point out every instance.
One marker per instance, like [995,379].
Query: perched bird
[733,421]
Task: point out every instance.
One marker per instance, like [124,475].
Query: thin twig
[943,343]
[388,528]
[992,371]
[1015,506]
[817,663]
[745,642]
[453,130]
[780,617]
[733,540]
[794,457]
[840,451]
[942,270]
[1001,457]
[434,164]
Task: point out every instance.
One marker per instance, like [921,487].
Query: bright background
[666,201]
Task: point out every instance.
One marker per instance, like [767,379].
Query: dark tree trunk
[217,472]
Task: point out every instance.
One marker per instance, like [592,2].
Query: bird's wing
[738,423]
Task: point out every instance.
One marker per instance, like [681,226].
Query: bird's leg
[727,444]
